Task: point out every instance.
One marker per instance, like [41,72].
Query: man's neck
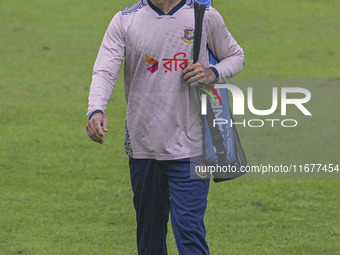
[165,5]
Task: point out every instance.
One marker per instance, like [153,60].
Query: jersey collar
[175,9]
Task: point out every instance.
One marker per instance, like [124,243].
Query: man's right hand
[94,127]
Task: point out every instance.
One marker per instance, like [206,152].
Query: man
[163,131]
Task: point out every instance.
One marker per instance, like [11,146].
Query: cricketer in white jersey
[162,119]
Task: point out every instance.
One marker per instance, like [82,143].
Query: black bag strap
[199,15]
[217,137]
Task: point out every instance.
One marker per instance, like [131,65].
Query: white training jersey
[163,113]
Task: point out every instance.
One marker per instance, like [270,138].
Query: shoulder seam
[190,3]
[134,8]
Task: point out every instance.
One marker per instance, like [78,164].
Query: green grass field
[60,193]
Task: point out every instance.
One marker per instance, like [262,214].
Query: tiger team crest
[201,170]
[189,35]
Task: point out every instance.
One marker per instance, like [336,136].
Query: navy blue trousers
[163,187]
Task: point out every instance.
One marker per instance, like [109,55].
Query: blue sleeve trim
[215,71]
[96,111]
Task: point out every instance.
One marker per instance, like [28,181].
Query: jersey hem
[146,155]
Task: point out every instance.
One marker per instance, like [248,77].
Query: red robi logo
[153,62]
[178,61]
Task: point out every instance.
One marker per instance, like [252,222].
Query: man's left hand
[194,74]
